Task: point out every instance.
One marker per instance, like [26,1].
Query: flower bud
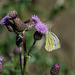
[13,14]
[21,26]
[9,27]
[55,69]
[19,42]
[37,35]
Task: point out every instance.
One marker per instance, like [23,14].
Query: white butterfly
[52,41]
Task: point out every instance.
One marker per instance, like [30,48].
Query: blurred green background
[60,14]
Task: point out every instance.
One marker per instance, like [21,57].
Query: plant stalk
[21,61]
[32,47]
[25,51]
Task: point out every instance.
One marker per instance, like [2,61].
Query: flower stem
[24,67]
[24,43]
[32,47]
[21,61]
[25,58]
[25,51]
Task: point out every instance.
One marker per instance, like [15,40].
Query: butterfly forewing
[49,42]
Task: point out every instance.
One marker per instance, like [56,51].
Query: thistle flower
[42,28]
[4,20]
[11,15]
[55,69]
[19,24]
[35,19]
[9,25]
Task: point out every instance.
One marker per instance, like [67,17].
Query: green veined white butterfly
[52,41]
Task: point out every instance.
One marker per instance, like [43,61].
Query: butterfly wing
[52,41]
[49,42]
[56,41]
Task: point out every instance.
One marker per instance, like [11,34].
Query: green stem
[25,51]
[24,67]
[21,62]
[32,47]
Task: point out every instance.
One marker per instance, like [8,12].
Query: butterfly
[52,41]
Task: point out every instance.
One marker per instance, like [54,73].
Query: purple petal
[1,58]
[42,28]
[36,19]
[4,20]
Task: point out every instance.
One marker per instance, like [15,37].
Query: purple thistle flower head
[4,20]
[35,19]
[55,69]
[42,28]
[1,58]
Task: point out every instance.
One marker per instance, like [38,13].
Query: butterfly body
[52,41]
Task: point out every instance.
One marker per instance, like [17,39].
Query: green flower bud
[19,41]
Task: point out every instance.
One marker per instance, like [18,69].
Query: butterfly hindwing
[56,41]
[52,41]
